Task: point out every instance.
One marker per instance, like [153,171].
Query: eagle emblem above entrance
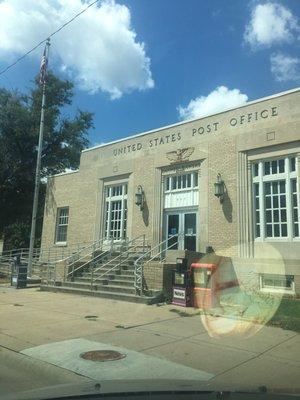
[180,155]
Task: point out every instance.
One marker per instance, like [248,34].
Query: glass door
[181,229]
[189,231]
[173,229]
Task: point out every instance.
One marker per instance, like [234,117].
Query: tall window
[62,221]
[275,197]
[116,211]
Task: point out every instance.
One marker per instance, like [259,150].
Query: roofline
[193,119]
[64,173]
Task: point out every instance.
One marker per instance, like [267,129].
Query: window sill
[277,240]
[279,291]
[60,244]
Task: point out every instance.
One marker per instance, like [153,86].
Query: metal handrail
[138,266]
[47,257]
[95,246]
[120,257]
[84,248]
[21,251]
[52,253]
[56,252]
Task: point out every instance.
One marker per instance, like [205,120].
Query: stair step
[127,272]
[121,282]
[112,266]
[102,281]
[115,288]
[113,279]
[110,271]
[114,263]
[89,274]
[105,294]
[101,286]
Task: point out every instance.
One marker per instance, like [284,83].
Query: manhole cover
[102,355]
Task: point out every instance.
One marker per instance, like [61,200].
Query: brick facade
[224,143]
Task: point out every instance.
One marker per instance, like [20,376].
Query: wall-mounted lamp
[139,197]
[219,188]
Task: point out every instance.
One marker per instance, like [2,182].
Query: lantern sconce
[140,197]
[219,188]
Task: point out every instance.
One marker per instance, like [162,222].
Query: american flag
[43,67]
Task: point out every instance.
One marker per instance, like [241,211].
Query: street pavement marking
[66,354]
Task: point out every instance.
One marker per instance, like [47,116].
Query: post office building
[226,184]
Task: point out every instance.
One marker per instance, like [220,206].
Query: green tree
[64,139]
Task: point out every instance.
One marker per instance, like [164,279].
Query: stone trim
[157,207]
[245,215]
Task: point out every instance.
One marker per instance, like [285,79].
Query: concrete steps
[105,294]
[116,280]
[116,283]
[101,287]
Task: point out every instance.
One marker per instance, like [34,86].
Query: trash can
[18,273]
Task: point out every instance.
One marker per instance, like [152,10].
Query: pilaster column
[245,216]
[157,208]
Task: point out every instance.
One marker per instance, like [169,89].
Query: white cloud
[218,100]
[99,49]
[98,144]
[285,68]
[270,23]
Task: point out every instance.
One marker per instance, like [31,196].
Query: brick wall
[158,276]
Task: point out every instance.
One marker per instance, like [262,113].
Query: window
[275,198]
[269,282]
[116,211]
[181,190]
[62,225]
[182,182]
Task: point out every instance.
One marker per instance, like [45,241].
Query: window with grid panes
[277,282]
[116,211]
[62,224]
[275,198]
[181,182]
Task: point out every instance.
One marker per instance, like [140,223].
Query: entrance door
[181,229]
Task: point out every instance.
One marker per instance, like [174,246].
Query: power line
[48,37]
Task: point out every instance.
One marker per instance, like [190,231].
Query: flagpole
[38,167]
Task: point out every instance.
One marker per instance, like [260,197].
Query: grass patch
[287,315]
[263,308]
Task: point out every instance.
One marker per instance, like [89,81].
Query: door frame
[181,212]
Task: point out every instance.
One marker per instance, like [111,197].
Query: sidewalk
[30,318]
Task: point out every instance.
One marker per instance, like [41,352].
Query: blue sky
[174,53]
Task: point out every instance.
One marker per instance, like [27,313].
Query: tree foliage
[64,139]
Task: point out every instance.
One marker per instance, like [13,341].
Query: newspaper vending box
[205,285]
[181,284]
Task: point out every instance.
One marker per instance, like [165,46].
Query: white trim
[195,119]
[59,225]
[108,213]
[63,173]
[60,244]
[261,179]
[283,291]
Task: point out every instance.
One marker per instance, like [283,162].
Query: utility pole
[43,71]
